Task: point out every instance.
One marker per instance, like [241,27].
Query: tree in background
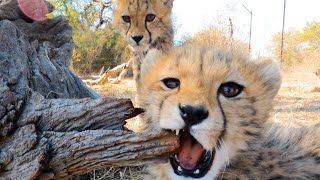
[299,46]
[96,43]
[311,35]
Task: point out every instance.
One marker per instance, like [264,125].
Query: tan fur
[157,34]
[250,148]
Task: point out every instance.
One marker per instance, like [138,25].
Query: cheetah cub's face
[143,22]
[216,101]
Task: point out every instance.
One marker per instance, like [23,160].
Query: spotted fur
[155,34]
[247,145]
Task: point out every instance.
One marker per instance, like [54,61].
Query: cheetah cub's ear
[270,74]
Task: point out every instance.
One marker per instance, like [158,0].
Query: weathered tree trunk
[51,124]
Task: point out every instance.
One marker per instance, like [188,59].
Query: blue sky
[191,16]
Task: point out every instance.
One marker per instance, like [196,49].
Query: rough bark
[77,152]
[23,154]
[28,154]
[63,115]
[51,124]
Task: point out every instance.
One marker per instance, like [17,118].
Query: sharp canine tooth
[179,168]
[177,131]
[197,171]
[175,156]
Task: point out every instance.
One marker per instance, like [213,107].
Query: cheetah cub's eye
[126,19]
[171,83]
[230,89]
[150,17]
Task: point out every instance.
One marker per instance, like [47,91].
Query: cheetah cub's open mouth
[192,160]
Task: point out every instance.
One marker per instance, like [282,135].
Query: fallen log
[51,124]
[77,152]
[60,155]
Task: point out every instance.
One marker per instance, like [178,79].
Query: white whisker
[225,150]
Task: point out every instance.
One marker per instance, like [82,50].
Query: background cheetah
[145,24]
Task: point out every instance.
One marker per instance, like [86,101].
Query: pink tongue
[190,152]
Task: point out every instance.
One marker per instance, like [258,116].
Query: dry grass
[125,89]
[295,102]
[112,173]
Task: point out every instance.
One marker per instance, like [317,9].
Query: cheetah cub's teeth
[176,157]
[196,171]
[177,131]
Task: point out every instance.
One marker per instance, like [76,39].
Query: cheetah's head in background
[144,23]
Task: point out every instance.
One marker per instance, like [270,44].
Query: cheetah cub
[145,25]
[219,102]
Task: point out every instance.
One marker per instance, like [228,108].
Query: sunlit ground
[297,100]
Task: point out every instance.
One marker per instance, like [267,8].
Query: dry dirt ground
[296,103]
[297,99]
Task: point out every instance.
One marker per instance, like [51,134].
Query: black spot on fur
[252,100]
[276,177]
[245,124]
[161,21]
[269,144]
[157,44]
[259,157]
[270,154]
[252,112]
[271,166]
[253,134]
[298,158]
[284,163]
[251,123]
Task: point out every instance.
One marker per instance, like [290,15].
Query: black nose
[137,38]
[193,115]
